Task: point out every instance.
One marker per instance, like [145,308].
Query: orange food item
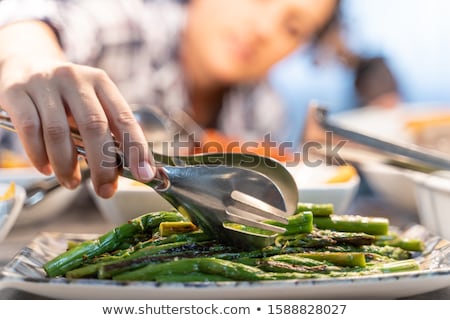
[343,174]
[214,141]
[431,131]
[10,192]
[427,121]
[10,159]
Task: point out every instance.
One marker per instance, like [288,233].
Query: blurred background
[405,40]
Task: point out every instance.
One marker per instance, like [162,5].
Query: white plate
[53,205]
[25,273]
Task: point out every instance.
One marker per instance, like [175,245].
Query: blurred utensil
[430,158]
[156,128]
[37,191]
[168,133]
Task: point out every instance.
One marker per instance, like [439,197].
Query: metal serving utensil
[431,158]
[159,127]
[212,195]
[37,191]
[269,167]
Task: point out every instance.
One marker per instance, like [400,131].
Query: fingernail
[145,171]
[47,170]
[72,184]
[106,190]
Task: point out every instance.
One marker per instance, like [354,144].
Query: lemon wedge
[343,174]
[10,192]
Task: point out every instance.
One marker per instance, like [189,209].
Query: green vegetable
[353,223]
[165,247]
[317,209]
[299,223]
[110,241]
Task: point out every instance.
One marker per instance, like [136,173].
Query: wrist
[35,37]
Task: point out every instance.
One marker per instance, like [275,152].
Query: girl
[83,62]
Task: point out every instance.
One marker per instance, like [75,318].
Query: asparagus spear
[405,243]
[299,223]
[317,209]
[107,242]
[214,266]
[400,266]
[343,245]
[144,257]
[349,259]
[353,223]
[322,238]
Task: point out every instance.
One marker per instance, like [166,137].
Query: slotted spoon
[212,195]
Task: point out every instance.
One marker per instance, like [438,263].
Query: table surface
[83,217]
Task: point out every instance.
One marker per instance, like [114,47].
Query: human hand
[45,96]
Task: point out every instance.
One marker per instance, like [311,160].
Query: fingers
[92,122]
[41,109]
[99,110]
[126,129]
[56,132]
[27,123]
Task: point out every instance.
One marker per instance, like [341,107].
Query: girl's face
[239,40]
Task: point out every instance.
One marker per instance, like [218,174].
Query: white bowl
[313,187]
[51,206]
[8,217]
[433,202]
[131,199]
[394,185]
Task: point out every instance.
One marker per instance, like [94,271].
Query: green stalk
[322,238]
[403,243]
[109,241]
[344,259]
[400,266]
[298,223]
[151,271]
[317,209]
[156,254]
[353,223]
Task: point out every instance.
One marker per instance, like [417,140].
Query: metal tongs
[431,158]
[212,195]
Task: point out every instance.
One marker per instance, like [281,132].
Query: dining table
[83,216]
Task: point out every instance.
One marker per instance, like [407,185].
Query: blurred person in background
[382,53]
[84,63]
